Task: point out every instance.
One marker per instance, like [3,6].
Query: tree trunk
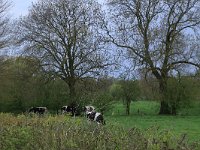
[164,105]
[164,108]
[72,94]
[174,108]
[128,103]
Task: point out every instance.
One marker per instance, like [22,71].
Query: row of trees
[75,40]
[24,84]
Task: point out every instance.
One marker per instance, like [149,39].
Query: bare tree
[4,29]
[63,34]
[4,23]
[159,35]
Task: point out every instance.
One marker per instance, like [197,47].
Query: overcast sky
[20,7]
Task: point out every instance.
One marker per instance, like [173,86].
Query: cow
[73,109]
[38,110]
[66,109]
[88,109]
[96,116]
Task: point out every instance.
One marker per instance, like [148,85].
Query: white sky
[20,7]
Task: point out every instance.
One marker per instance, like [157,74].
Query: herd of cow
[89,112]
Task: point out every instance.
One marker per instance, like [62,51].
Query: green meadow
[187,122]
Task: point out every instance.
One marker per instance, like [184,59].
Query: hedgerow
[68,133]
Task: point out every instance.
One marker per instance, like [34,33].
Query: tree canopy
[156,35]
[63,35]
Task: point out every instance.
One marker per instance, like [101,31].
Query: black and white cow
[38,110]
[66,109]
[73,109]
[88,109]
[96,116]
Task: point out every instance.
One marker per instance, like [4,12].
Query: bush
[61,132]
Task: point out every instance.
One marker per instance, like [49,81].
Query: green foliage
[60,132]
[23,85]
[164,139]
[103,101]
[193,109]
[95,92]
[127,90]
[181,91]
[116,91]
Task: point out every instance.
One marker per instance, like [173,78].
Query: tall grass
[66,133]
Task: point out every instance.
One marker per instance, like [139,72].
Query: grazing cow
[73,109]
[96,116]
[88,109]
[38,110]
[66,109]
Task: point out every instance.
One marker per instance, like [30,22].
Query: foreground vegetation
[63,132]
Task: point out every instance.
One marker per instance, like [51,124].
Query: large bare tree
[63,34]
[4,23]
[4,30]
[160,35]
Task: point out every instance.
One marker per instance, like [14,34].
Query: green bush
[61,133]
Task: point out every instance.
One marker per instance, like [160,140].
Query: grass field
[188,123]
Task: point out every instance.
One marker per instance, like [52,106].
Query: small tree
[96,92]
[127,90]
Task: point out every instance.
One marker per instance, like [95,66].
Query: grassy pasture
[187,122]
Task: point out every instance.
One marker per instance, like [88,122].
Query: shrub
[61,132]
